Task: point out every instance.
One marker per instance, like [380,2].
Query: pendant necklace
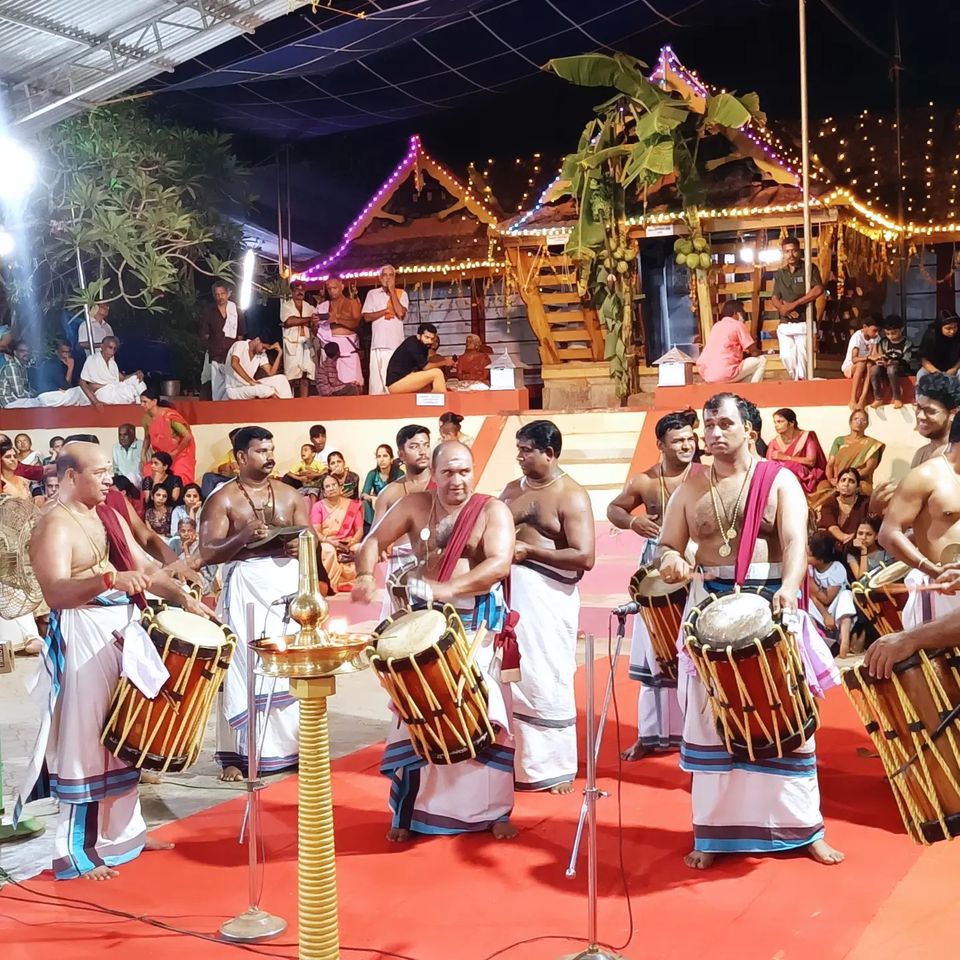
[726,524]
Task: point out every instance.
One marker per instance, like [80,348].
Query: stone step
[594,473]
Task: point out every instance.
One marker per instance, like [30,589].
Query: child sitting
[865,554]
[831,600]
[860,359]
[896,358]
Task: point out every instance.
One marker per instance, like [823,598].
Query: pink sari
[338,564]
[805,444]
[160,436]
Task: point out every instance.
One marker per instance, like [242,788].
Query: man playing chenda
[555,546]
[659,721]
[93,576]
[740,806]
[235,529]
[464,542]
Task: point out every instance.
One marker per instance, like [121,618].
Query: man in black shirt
[56,372]
[408,370]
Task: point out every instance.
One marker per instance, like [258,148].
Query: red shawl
[121,555]
[506,641]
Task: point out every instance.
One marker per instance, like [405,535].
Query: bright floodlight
[770,255]
[246,284]
[746,254]
[6,243]
[18,170]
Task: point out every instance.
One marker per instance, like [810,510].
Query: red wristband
[109,579]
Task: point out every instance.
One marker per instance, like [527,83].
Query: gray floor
[358,717]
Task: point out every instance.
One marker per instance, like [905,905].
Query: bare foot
[877,404]
[637,752]
[562,788]
[151,844]
[399,835]
[822,852]
[504,830]
[149,776]
[231,775]
[897,404]
[101,873]
[698,860]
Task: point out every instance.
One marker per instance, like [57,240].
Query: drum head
[191,628]
[735,619]
[893,572]
[411,633]
[647,582]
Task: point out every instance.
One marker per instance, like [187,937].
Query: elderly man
[473,365]
[386,308]
[221,326]
[14,388]
[299,358]
[101,381]
[99,327]
[409,369]
[339,321]
[251,375]
[127,454]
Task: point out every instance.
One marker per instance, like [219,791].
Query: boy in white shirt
[386,308]
[860,359]
[831,601]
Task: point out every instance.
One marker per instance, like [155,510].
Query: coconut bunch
[617,257]
[692,253]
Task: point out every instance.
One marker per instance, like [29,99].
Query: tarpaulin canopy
[307,75]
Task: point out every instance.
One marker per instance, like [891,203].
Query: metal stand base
[28,827]
[253,924]
[594,953]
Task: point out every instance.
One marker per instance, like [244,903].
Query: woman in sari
[10,484]
[386,471]
[855,450]
[798,450]
[845,509]
[338,521]
[349,481]
[167,431]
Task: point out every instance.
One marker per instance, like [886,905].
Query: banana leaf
[725,110]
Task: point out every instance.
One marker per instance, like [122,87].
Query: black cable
[863,39]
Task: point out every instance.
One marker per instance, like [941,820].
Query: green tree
[637,138]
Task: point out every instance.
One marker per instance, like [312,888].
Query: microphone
[626,609]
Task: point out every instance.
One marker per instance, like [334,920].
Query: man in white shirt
[100,378]
[98,324]
[386,308]
[251,375]
[297,319]
[127,452]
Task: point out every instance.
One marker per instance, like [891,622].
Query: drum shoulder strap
[460,534]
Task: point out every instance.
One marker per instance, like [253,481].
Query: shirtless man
[926,502]
[413,449]
[89,568]
[659,721]
[234,526]
[555,547]
[937,400]
[770,808]
[340,320]
[472,795]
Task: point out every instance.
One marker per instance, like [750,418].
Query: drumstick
[471,655]
[898,588]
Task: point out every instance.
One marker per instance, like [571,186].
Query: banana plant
[638,137]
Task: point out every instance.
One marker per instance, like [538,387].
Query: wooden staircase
[566,329]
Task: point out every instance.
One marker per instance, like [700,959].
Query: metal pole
[902,245]
[86,309]
[805,163]
[279,218]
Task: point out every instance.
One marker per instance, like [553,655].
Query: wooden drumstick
[471,656]
[898,588]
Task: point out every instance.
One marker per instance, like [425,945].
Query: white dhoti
[379,359]
[100,822]
[544,702]
[263,582]
[348,366]
[275,386]
[218,380]
[741,806]
[299,359]
[125,391]
[924,606]
[401,554]
[74,397]
[464,797]
[841,606]
[18,632]
[659,718]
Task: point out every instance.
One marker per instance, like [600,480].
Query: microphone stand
[254,923]
[588,811]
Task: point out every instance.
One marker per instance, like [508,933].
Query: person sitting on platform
[101,381]
[161,476]
[940,347]
[844,510]
[251,375]
[831,602]
[98,326]
[56,381]
[329,383]
[724,357]
[857,450]
[306,475]
[860,360]
[408,370]
[14,385]
[349,481]
[798,450]
[25,452]
[157,514]
[222,472]
[126,454]
[191,500]
[338,521]
[450,429]
[865,554]
[386,471]
[473,365]
[896,360]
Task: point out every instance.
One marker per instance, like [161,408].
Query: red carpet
[466,898]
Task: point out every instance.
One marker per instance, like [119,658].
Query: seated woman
[157,514]
[845,509]
[386,471]
[450,429]
[831,602]
[798,450]
[940,346]
[188,508]
[338,521]
[349,481]
[856,450]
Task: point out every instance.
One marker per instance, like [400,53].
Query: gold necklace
[727,525]
[664,495]
[525,482]
[101,554]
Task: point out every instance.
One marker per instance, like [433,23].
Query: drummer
[926,502]
[555,546]
[234,518]
[749,519]
[464,542]
[659,721]
[91,572]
